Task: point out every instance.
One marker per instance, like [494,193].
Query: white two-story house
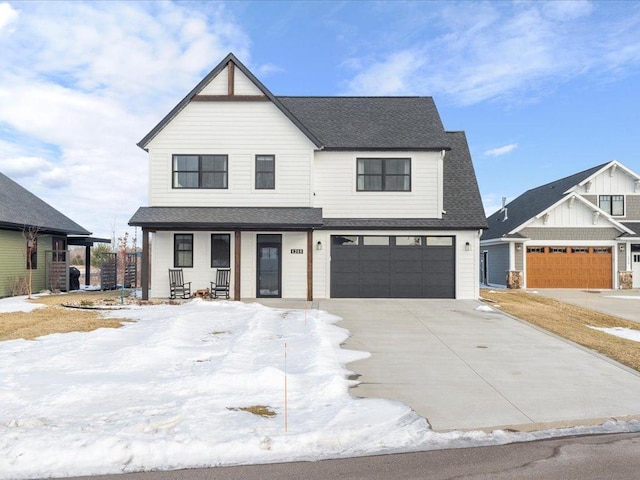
[309,197]
[581,231]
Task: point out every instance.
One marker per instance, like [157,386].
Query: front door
[269,281]
[635,265]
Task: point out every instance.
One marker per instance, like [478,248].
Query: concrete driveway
[464,368]
[620,303]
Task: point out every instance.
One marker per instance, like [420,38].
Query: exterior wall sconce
[622,247]
[467,247]
[319,245]
[518,246]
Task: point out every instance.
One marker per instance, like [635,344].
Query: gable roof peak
[206,80]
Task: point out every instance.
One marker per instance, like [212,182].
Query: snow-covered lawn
[165,392]
[18,304]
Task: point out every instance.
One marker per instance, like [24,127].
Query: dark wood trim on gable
[230,98]
[230,77]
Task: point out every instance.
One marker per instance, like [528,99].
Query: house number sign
[297,251]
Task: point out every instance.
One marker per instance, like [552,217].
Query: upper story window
[183,250]
[200,171]
[612,204]
[265,172]
[384,175]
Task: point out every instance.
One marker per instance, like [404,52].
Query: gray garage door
[392,267]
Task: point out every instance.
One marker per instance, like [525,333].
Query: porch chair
[177,285]
[221,285]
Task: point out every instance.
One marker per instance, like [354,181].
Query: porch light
[622,247]
[467,246]
[319,245]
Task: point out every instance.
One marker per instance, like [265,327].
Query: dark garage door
[392,267]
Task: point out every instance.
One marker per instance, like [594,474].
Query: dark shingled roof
[227,217]
[462,201]
[19,208]
[378,123]
[532,202]
[634,227]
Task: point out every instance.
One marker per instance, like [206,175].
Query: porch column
[309,265]
[144,268]
[87,265]
[236,266]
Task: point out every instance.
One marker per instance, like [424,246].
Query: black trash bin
[74,278]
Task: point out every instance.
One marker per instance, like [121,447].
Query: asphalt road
[598,457]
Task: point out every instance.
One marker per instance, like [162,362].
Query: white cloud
[268,69]
[82,83]
[8,16]
[498,151]
[473,52]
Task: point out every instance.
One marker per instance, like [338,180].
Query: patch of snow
[628,333]
[485,308]
[90,288]
[630,297]
[18,304]
[163,392]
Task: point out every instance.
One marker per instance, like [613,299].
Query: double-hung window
[612,204]
[265,172]
[183,250]
[384,175]
[220,250]
[200,171]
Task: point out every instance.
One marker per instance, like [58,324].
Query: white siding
[567,215]
[248,268]
[335,187]
[242,85]
[607,184]
[240,130]
[294,265]
[219,85]
[201,274]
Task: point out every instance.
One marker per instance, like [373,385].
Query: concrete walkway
[463,368]
[619,303]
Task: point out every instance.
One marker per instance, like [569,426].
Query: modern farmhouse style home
[309,197]
[582,231]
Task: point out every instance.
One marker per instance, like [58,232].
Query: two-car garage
[368,266]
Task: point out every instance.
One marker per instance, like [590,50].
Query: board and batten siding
[335,177]
[606,183]
[240,130]
[570,214]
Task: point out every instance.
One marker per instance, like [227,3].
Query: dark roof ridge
[354,96]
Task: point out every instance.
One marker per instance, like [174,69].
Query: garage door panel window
[408,241]
[375,241]
[612,204]
[345,240]
[383,174]
[439,241]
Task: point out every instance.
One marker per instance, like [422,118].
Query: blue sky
[542,89]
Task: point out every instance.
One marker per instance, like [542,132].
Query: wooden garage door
[569,267]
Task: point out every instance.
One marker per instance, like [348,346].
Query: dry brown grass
[569,321]
[54,318]
[259,410]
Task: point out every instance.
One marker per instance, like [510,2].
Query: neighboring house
[307,197]
[33,236]
[582,231]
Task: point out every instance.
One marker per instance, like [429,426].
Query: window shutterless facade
[220,250]
[612,204]
[265,172]
[183,250]
[383,175]
[200,171]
